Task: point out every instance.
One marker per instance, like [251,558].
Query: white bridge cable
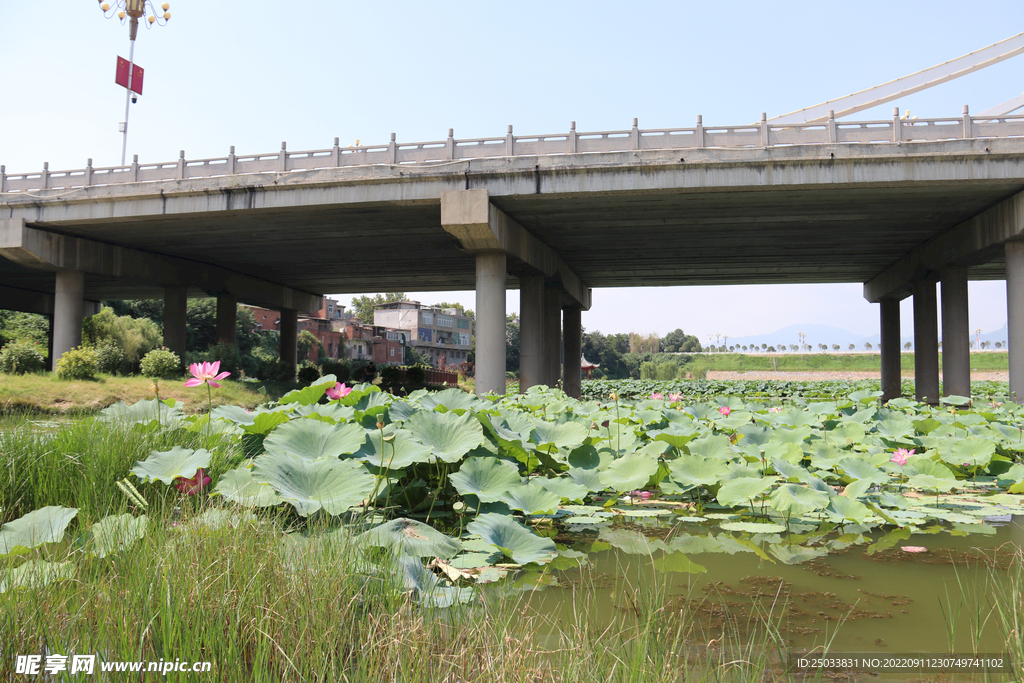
[915,82]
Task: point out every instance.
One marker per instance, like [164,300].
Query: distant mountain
[825,334]
[815,334]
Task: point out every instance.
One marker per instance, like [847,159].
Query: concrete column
[956,333]
[290,336]
[1015,316]
[68,306]
[49,350]
[531,318]
[490,322]
[926,342]
[572,335]
[175,317]
[552,335]
[892,375]
[227,308]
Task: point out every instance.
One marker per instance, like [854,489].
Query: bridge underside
[890,216]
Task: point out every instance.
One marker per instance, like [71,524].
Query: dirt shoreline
[812,375]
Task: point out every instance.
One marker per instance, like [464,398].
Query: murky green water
[887,600]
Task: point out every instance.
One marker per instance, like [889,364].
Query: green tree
[306,342]
[134,336]
[512,343]
[363,305]
[468,312]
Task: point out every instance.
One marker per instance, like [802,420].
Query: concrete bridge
[895,204]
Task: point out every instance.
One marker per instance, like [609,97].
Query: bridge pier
[531,320]
[926,342]
[1015,316]
[956,332]
[289,347]
[490,322]
[572,350]
[68,313]
[892,371]
[176,320]
[227,314]
[552,334]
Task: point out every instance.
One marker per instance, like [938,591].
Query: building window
[445,321]
[463,323]
[428,318]
[392,351]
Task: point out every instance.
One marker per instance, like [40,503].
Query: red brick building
[318,324]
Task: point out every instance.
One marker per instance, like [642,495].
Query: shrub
[231,360]
[161,363]
[390,375]
[109,357]
[78,363]
[21,356]
[415,374]
[134,337]
[276,370]
[309,372]
[338,368]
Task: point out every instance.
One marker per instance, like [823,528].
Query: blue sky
[257,73]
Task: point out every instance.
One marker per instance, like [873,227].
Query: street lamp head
[134,10]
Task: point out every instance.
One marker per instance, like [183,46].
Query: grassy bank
[834,361]
[45,393]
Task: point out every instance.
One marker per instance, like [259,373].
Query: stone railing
[759,135]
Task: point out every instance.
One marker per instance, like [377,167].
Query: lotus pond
[679,527]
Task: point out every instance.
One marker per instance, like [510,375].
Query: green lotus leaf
[632,542]
[589,478]
[629,472]
[36,574]
[855,468]
[794,436]
[412,538]
[114,533]
[309,485]
[929,482]
[856,489]
[565,487]
[755,434]
[794,500]
[786,451]
[889,540]
[566,435]
[617,436]
[739,492]
[795,554]
[45,525]
[512,538]
[794,417]
[449,436]
[711,447]
[864,396]
[691,470]
[486,478]
[532,499]
[453,399]
[895,428]
[925,465]
[676,434]
[972,450]
[313,439]
[476,560]
[1012,476]
[677,562]
[307,396]
[394,450]
[753,527]
[237,485]
[849,509]
[331,412]
[427,586]
[143,412]
[790,471]
[894,500]
[845,434]
[166,466]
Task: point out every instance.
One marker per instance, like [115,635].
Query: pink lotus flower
[656,396]
[914,549]
[337,391]
[205,373]
[194,485]
[901,456]
[642,495]
[675,398]
[725,410]
[775,409]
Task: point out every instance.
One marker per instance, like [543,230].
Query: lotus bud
[380,425]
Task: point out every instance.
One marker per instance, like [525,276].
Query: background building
[440,333]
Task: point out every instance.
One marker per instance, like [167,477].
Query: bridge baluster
[897,125]
[573,139]
[634,134]
[700,131]
[510,143]
[968,127]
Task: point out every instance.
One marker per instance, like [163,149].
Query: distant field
[990,360]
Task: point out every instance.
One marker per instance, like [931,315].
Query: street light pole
[133,10]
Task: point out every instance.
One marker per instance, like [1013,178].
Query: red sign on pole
[122,75]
